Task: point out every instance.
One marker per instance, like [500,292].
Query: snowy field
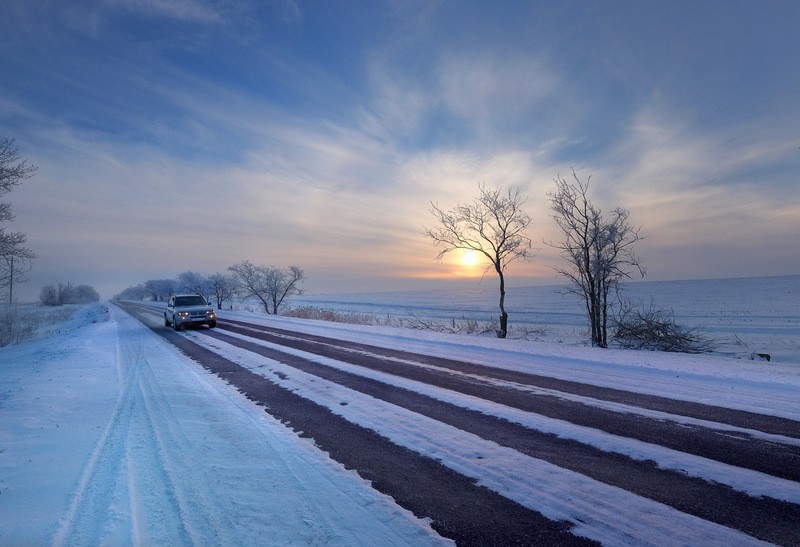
[742,315]
[101,418]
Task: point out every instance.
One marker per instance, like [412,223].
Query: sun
[470,258]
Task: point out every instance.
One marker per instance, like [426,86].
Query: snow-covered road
[110,436]
[139,444]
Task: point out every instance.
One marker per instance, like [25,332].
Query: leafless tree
[15,261]
[136,292]
[195,283]
[223,287]
[159,290]
[13,170]
[269,284]
[84,294]
[15,258]
[493,226]
[56,295]
[598,250]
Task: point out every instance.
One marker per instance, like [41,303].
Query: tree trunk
[503,332]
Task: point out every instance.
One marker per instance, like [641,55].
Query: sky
[176,135]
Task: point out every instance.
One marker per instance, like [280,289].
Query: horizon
[189,135]
[488,286]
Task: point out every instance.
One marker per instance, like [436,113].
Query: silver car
[189,309]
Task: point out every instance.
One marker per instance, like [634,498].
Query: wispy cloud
[320,134]
[491,86]
[182,10]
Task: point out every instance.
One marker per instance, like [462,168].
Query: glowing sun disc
[470,258]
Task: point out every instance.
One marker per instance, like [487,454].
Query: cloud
[488,86]
[197,11]
[703,198]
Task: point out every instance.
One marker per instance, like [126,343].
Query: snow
[110,435]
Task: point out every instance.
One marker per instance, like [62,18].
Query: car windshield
[190,301]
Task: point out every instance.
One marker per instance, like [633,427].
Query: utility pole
[11,282]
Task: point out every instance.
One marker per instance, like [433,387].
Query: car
[189,309]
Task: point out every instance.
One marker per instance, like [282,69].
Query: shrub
[321,314]
[656,329]
[15,326]
[65,293]
[462,326]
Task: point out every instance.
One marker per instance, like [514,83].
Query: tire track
[132,467]
[105,497]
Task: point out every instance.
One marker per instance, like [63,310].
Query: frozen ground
[109,435]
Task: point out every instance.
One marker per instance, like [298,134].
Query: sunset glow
[471,259]
[190,135]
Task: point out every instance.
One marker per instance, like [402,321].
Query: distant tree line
[271,286]
[60,294]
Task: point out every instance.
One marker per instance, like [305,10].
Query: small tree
[48,296]
[136,292]
[195,283]
[84,294]
[598,250]
[223,287]
[493,226]
[57,295]
[269,284]
[159,290]
[15,258]
[15,261]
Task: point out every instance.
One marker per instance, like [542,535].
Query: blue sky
[183,135]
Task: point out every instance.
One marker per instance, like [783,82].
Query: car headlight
[211,313]
[183,314]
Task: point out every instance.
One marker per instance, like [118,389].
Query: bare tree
[136,292]
[159,290]
[493,226]
[598,250]
[195,283]
[15,261]
[269,284]
[15,258]
[57,295]
[84,294]
[13,170]
[223,287]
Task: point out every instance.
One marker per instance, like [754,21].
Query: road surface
[547,461]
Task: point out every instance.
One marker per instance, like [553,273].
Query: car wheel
[175,324]
[212,324]
[166,321]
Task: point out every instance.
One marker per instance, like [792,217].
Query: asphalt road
[474,515]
